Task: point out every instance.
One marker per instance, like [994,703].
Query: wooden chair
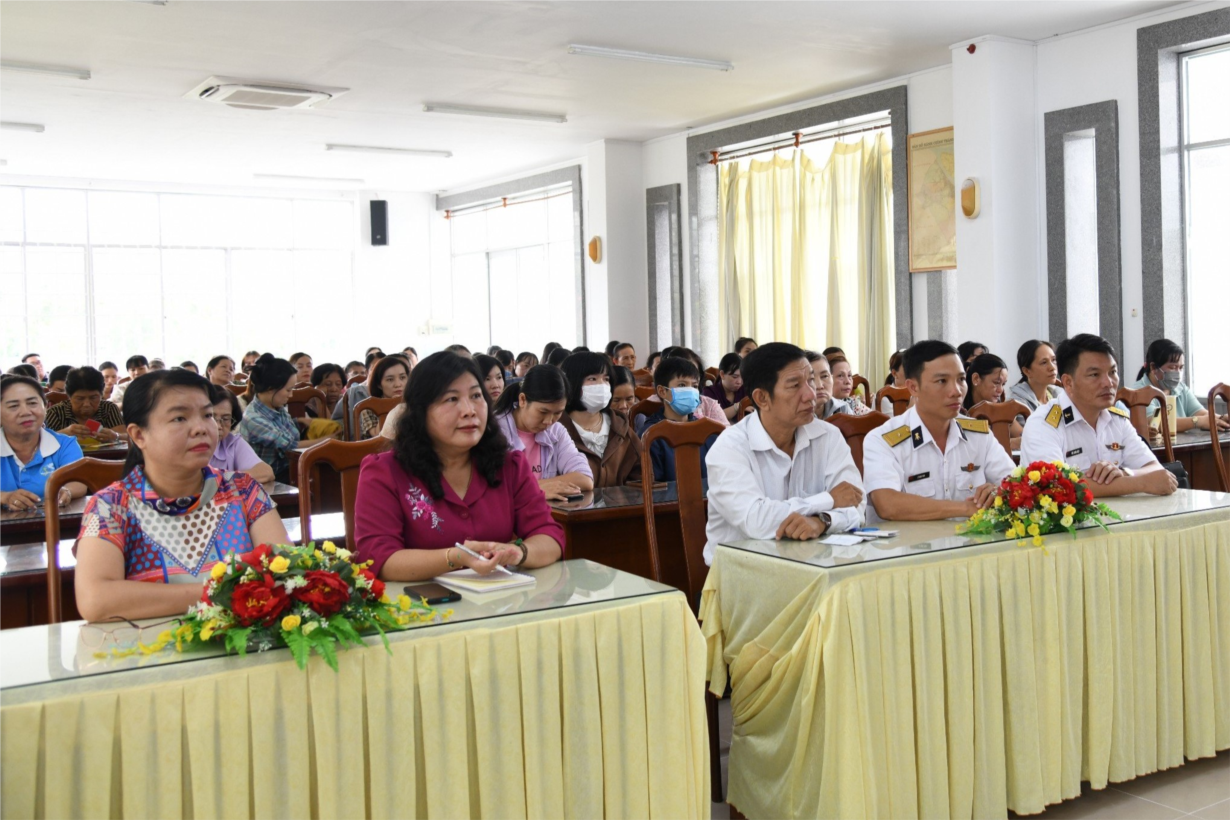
[1222,391]
[854,429]
[645,407]
[1000,415]
[344,457]
[299,398]
[711,376]
[643,377]
[1137,402]
[355,380]
[686,438]
[861,381]
[54,397]
[237,389]
[745,406]
[899,396]
[302,385]
[380,406]
[95,474]
[643,393]
[125,380]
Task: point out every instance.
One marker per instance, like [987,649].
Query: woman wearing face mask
[1163,369]
[529,419]
[728,390]
[602,436]
[677,383]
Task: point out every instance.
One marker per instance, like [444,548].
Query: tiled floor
[1199,790]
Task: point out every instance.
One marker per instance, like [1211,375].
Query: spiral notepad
[467,580]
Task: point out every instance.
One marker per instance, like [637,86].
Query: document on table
[467,580]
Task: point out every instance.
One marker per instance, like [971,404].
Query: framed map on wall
[933,201]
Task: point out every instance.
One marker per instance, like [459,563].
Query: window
[514,273]
[1206,166]
[87,276]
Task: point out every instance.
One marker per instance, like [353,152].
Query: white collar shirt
[902,455]
[1057,431]
[754,486]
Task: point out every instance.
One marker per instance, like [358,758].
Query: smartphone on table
[432,593]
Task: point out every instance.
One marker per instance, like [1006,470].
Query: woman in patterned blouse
[148,541]
[87,414]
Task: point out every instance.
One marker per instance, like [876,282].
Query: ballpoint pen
[473,554]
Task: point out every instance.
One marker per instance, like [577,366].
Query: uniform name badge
[917,477]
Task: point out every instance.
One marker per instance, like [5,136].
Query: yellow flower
[1068,512]
[1017,472]
[1066,521]
[1037,540]
[183,632]
[1044,501]
[290,622]
[403,601]
[384,599]
[1035,516]
[999,501]
[310,627]
[320,556]
[279,564]
[1035,476]
[207,631]
[1034,530]
[330,547]
[218,571]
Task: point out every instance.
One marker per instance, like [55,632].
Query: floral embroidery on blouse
[420,506]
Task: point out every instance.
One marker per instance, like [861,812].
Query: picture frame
[932,200]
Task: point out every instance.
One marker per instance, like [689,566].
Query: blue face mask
[684,400]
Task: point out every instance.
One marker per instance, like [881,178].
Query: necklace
[593,428]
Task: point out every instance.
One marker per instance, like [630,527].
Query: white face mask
[595,397]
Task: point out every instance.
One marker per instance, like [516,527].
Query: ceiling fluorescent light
[23,126]
[51,70]
[502,113]
[293,178]
[376,149]
[645,57]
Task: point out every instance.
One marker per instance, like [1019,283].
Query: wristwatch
[828,521]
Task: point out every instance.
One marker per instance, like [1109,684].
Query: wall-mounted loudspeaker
[380,222]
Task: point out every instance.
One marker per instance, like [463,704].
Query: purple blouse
[234,455]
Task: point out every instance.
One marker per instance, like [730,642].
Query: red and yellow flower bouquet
[307,598]
[1032,501]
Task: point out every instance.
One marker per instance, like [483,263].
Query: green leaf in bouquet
[299,646]
[237,640]
[324,644]
[345,631]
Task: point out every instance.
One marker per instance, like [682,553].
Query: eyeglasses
[227,420]
[121,632]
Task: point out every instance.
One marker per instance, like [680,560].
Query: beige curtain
[806,251]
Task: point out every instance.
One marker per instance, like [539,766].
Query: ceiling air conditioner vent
[261,96]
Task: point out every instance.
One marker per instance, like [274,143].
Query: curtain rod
[796,142]
[449,213]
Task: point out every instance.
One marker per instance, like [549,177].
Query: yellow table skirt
[587,712]
[974,682]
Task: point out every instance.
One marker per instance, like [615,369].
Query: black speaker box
[380,222]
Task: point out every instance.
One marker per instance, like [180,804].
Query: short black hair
[485,365]
[142,396]
[674,367]
[742,342]
[623,345]
[382,367]
[374,356]
[832,351]
[84,378]
[12,379]
[28,357]
[542,383]
[505,358]
[577,368]
[1161,352]
[761,367]
[58,373]
[621,375]
[1026,352]
[108,364]
[730,363]
[219,394]
[297,355]
[966,350]
[611,347]
[24,370]
[353,364]
[1069,353]
[459,349]
[321,372]
[557,356]
[653,357]
[928,350]
[136,361]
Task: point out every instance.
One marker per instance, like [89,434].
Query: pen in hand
[473,554]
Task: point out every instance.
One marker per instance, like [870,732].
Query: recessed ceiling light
[51,70]
[501,113]
[33,128]
[646,57]
[377,149]
[293,178]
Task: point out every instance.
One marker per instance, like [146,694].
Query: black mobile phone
[433,593]
[576,497]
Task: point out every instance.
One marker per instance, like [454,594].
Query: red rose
[253,558]
[374,584]
[259,601]
[325,592]
[1088,497]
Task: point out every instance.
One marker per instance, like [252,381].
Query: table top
[930,537]
[68,651]
[614,498]
[1193,440]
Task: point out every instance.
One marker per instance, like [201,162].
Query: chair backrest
[645,407]
[861,381]
[899,396]
[380,406]
[302,385]
[643,377]
[237,389]
[125,380]
[299,398]
[95,474]
[854,429]
[355,380]
[1222,391]
[643,393]
[54,397]
[1000,414]
[1137,401]
[347,433]
[745,406]
[344,457]
[711,376]
[686,438]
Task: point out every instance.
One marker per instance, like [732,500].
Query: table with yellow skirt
[581,696]
[936,675]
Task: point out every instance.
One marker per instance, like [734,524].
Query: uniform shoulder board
[974,425]
[895,437]
[1055,416]
[1118,411]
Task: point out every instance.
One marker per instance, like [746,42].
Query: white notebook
[467,580]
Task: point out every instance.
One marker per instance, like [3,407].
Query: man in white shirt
[780,473]
[931,463]
[1083,427]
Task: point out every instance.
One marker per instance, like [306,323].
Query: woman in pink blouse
[449,480]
